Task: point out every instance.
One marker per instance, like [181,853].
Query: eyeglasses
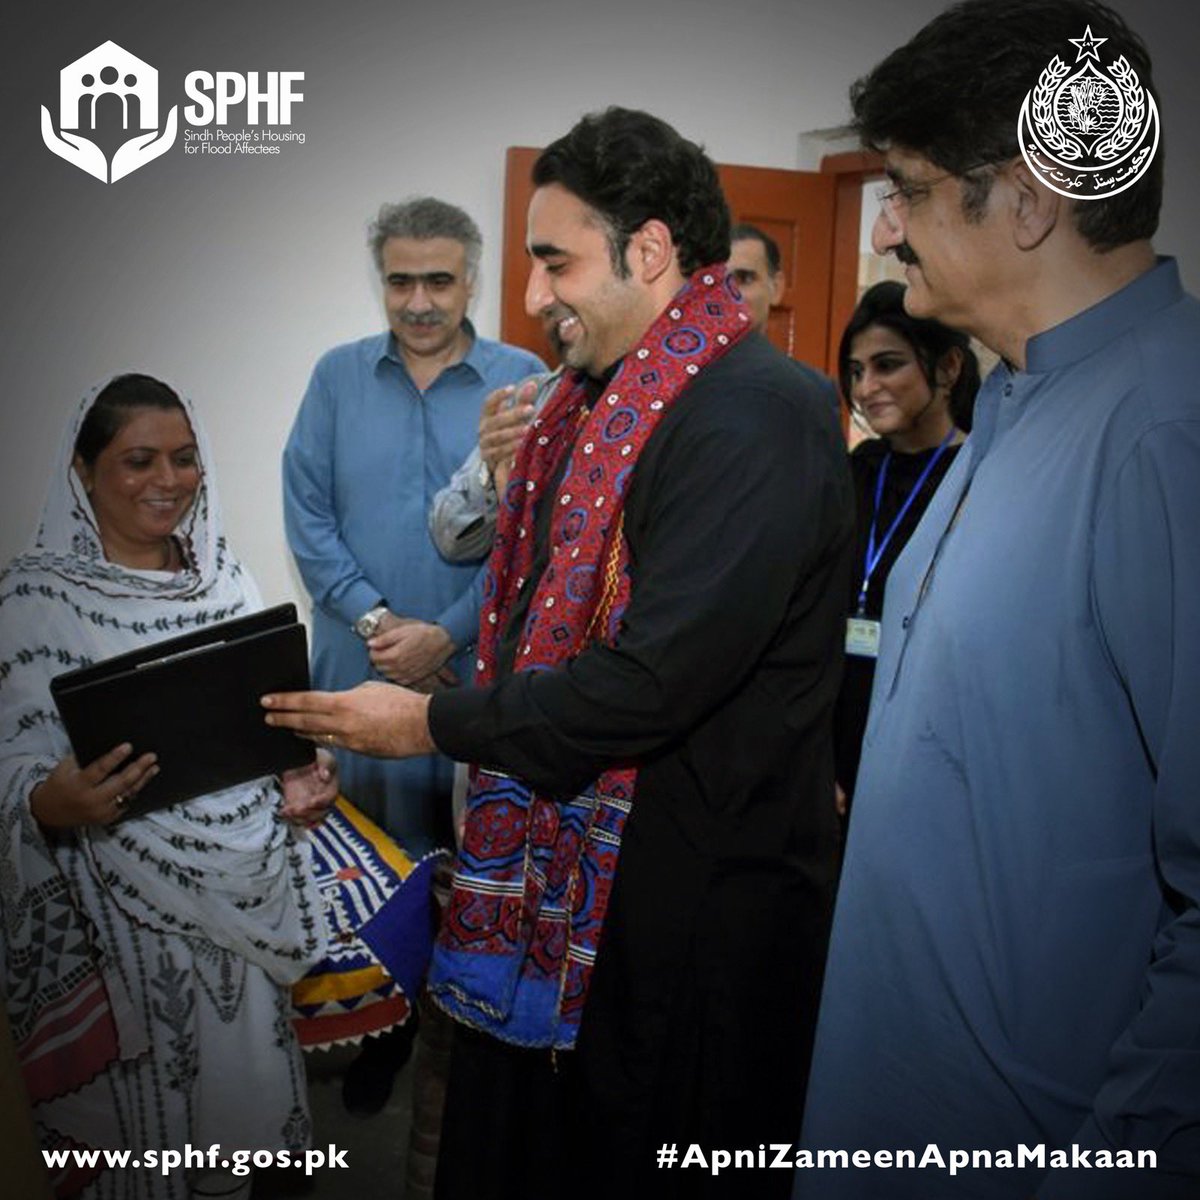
[896,198]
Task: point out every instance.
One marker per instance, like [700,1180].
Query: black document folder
[194,701]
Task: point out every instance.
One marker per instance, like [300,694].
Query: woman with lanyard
[912,383]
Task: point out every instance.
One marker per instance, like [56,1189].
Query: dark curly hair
[631,167]
[112,408]
[883,305]
[954,92]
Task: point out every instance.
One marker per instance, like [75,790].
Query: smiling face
[889,388]
[142,484]
[426,292]
[598,316]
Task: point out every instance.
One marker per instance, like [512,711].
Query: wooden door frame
[516,327]
[853,169]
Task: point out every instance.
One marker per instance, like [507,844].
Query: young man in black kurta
[718,686]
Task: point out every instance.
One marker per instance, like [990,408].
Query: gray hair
[422,217]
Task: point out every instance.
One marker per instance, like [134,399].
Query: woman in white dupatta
[146,964]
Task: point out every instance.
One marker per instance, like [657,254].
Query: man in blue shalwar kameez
[382,426]
[1016,952]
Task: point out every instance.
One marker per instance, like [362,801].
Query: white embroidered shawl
[222,867]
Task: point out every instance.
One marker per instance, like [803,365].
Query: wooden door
[797,208]
[850,171]
[516,325]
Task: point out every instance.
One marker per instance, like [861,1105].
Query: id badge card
[862,637]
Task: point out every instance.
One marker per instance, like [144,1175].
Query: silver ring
[327,739]
[121,800]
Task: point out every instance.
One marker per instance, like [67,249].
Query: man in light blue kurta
[1016,952]
[382,426]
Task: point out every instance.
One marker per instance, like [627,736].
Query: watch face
[367,626]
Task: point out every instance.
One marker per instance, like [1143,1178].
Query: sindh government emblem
[1089,134]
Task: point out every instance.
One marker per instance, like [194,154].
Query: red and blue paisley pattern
[519,938]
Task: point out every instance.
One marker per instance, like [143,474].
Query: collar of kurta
[1099,326]
[474,357]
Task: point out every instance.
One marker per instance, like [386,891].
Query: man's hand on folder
[380,719]
[97,794]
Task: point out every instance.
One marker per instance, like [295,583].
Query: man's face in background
[760,289]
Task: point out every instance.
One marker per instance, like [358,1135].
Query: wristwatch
[367,626]
[487,480]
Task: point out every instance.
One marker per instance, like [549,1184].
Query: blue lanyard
[874,554]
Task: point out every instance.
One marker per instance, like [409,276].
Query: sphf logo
[108,116]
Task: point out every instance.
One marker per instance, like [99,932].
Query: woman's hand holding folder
[309,792]
[96,794]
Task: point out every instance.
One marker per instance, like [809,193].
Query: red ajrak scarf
[517,946]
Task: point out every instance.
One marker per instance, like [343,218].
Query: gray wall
[229,276]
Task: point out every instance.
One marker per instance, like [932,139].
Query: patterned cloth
[144,965]
[377,906]
[519,939]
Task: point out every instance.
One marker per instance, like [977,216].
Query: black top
[720,688]
[903,473]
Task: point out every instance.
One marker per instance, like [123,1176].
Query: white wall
[228,277]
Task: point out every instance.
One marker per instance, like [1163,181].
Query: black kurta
[904,471]
[720,689]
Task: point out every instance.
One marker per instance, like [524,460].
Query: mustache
[904,252]
[423,320]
